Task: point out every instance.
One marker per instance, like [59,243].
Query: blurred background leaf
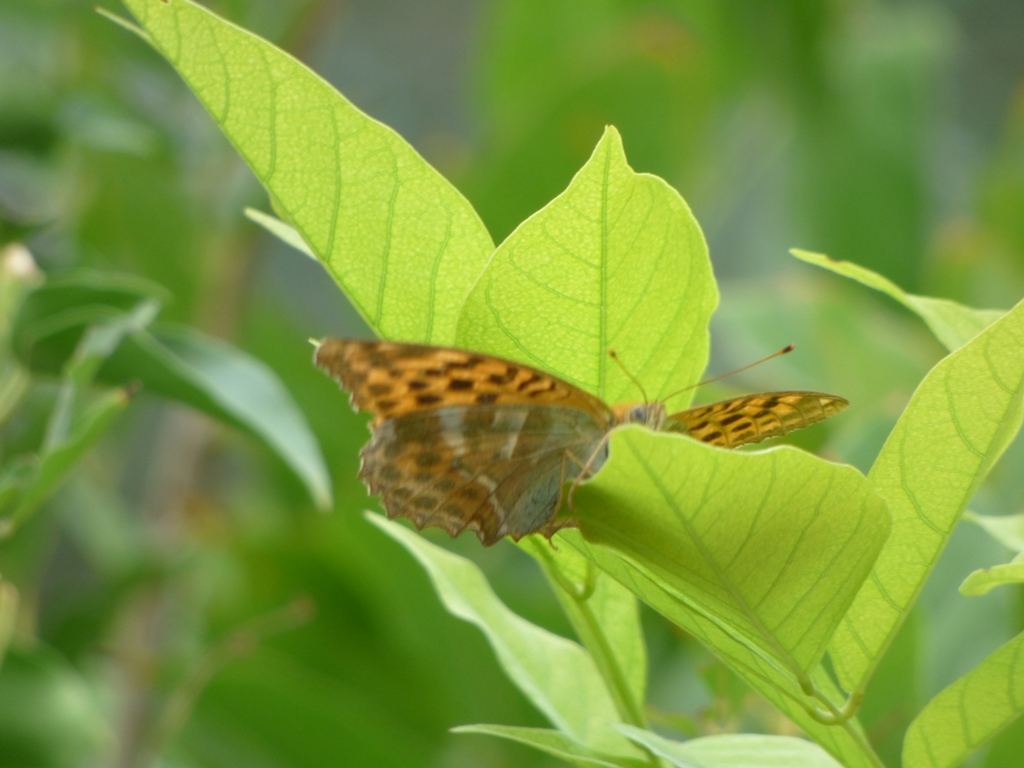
[886,134]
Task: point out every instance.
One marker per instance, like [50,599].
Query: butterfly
[463,439]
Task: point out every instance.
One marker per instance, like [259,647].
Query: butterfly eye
[638,414]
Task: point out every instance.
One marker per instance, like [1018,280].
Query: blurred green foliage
[164,589]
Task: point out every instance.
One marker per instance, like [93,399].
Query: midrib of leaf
[602,370]
[782,653]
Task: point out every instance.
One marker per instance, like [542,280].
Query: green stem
[593,637]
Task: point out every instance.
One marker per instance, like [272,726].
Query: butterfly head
[650,415]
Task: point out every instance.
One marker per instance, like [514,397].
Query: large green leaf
[401,241]
[842,737]
[953,324]
[221,380]
[772,545]
[957,424]
[969,712]
[615,261]
[176,362]
[557,675]
[735,750]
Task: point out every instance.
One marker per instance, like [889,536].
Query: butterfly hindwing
[753,418]
[497,470]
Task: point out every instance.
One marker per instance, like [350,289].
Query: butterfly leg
[554,525]
[585,471]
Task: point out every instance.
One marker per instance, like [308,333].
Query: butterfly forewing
[753,418]
[390,379]
[464,440]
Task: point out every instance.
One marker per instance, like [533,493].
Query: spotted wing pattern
[753,418]
[465,440]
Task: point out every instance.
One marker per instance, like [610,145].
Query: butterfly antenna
[612,354]
[784,351]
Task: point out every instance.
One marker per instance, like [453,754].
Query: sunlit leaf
[771,545]
[955,427]
[984,579]
[280,230]
[953,324]
[845,740]
[615,261]
[401,241]
[968,713]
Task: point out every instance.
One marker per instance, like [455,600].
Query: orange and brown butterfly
[467,440]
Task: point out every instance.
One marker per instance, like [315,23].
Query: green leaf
[735,751]
[845,740]
[606,619]
[953,324]
[8,616]
[48,714]
[55,316]
[178,363]
[957,424]
[37,480]
[1008,530]
[280,230]
[771,545]
[968,713]
[401,241]
[557,675]
[97,344]
[18,275]
[221,380]
[983,580]
[615,261]
[553,743]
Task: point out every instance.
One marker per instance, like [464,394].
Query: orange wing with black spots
[753,418]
